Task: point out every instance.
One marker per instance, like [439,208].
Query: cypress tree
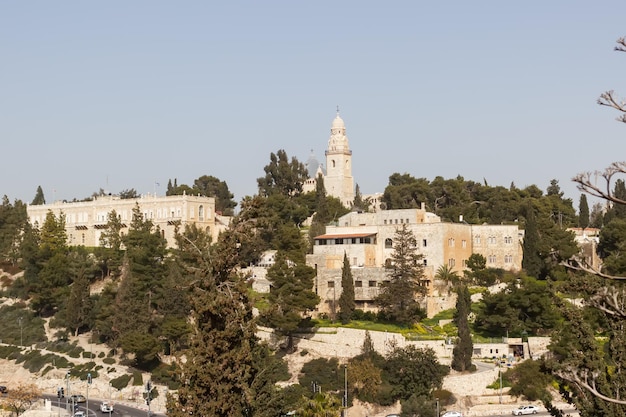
[462,352]
[583,212]
[346,299]
[39,198]
[531,260]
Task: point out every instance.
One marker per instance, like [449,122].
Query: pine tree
[140,287]
[228,373]
[462,352]
[291,296]
[397,298]
[346,299]
[78,306]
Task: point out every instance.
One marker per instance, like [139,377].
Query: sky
[122,95]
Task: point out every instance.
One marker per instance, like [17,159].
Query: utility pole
[88,385]
[345,389]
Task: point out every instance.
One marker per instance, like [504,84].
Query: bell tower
[338,180]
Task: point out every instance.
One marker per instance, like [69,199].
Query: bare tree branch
[588,384]
[577,264]
[588,182]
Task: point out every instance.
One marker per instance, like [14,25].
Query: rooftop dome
[338,122]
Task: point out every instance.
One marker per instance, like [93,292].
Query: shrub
[121,382]
[108,361]
[137,378]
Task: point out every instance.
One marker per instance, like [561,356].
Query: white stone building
[367,240]
[86,220]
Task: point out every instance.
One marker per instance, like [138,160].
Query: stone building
[86,220]
[367,240]
[337,172]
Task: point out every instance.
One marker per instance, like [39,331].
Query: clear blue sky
[123,94]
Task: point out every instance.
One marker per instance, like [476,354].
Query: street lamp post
[88,384]
[148,396]
[437,400]
[67,390]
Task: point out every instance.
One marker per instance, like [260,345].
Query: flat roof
[345,236]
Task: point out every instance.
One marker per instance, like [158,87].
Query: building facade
[86,220]
[367,240]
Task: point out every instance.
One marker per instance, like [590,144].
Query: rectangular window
[358,284]
[491,259]
[464,243]
[424,243]
[451,242]
[371,284]
[477,240]
[331,284]
[451,262]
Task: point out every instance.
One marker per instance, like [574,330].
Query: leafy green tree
[365,378]
[529,380]
[463,350]
[39,198]
[583,212]
[128,194]
[282,176]
[414,371]
[527,306]
[397,298]
[346,299]
[291,296]
[210,186]
[322,374]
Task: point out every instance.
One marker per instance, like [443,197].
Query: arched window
[201,213]
[388,243]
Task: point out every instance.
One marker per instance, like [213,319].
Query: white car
[106,407]
[452,414]
[525,409]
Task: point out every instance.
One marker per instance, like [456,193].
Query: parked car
[525,409]
[106,407]
[78,398]
[79,414]
[452,414]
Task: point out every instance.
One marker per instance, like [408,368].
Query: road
[119,410]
